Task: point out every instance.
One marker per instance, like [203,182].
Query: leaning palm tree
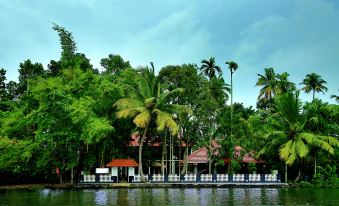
[288,133]
[209,68]
[313,82]
[269,83]
[146,102]
[336,97]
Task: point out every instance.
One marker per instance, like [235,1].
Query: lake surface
[166,196]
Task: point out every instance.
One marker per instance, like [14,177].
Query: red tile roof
[198,156]
[201,155]
[135,141]
[122,163]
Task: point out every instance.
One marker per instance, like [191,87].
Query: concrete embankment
[144,185]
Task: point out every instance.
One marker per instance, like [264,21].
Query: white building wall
[114,171]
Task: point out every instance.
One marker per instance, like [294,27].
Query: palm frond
[177,109]
[128,113]
[165,95]
[142,119]
[127,103]
[165,120]
[301,148]
[287,152]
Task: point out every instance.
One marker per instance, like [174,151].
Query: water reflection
[101,197]
[172,196]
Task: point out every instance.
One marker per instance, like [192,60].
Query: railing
[222,178]
[105,178]
[89,178]
[157,178]
[254,177]
[189,178]
[173,178]
[206,178]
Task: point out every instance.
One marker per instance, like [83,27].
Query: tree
[289,134]
[114,63]
[54,68]
[67,43]
[209,68]
[146,102]
[336,97]
[268,83]
[232,66]
[283,84]
[27,72]
[313,82]
[3,92]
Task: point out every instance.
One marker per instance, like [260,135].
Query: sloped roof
[122,163]
[201,155]
[198,156]
[135,141]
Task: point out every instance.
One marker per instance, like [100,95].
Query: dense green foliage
[70,118]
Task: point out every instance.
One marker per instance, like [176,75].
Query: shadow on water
[171,196]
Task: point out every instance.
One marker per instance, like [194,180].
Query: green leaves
[96,129]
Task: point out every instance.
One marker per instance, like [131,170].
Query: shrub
[326,177]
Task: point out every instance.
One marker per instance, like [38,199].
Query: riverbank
[145,185]
[37,186]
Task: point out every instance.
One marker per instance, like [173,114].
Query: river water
[167,196]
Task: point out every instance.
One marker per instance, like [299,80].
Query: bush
[252,167]
[305,184]
[235,166]
[326,177]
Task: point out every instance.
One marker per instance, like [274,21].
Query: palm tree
[283,84]
[289,135]
[146,102]
[268,82]
[336,97]
[218,89]
[232,67]
[209,68]
[313,82]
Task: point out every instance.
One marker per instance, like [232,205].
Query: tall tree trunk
[315,165]
[299,171]
[231,103]
[60,178]
[163,154]
[313,95]
[210,156]
[184,168]
[285,172]
[72,176]
[141,143]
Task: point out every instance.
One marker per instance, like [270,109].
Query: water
[166,196]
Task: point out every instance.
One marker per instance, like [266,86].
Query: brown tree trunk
[285,172]
[72,176]
[164,144]
[184,168]
[141,143]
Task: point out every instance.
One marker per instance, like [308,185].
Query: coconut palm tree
[283,84]
[313,82]
[269,83]
[289,135]
[209,68]
[336,97]
[146,102]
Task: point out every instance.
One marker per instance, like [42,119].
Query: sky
[294,36]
